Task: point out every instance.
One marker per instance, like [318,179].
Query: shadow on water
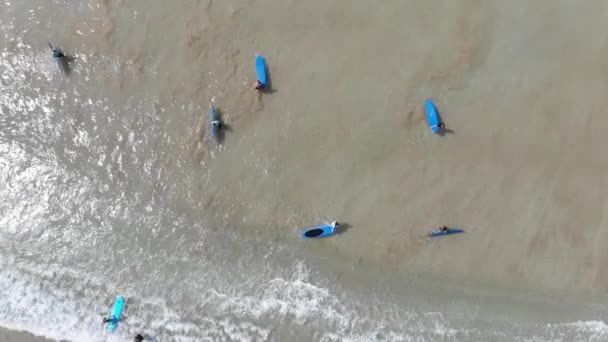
[342,228]
[268,89]
[445,131]
[66,64]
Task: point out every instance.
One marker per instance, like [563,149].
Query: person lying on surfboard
[443,229]
[216,123]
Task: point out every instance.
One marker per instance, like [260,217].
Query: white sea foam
[298,301]
[28,305]
[33,302]
[588,331]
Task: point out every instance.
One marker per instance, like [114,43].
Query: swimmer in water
[56,52]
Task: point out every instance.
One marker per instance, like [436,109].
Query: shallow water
[111,185]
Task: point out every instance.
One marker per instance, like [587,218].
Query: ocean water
[110,186]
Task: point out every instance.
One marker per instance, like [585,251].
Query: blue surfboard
[260,69]
[320,231]
[116,313]
[432,116]
[215,124]
[450,231]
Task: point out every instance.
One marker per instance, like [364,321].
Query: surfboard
[116,313]
[215,123]
[432,116]
[260,69]
[436,233]
[320,231]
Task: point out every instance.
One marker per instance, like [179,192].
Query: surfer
[138,338]
[111,319]
[216,123]
[61,59]
[440,126]
[443,229]
[56,52]
[258,85]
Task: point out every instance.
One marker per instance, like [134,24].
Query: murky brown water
[113,186]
